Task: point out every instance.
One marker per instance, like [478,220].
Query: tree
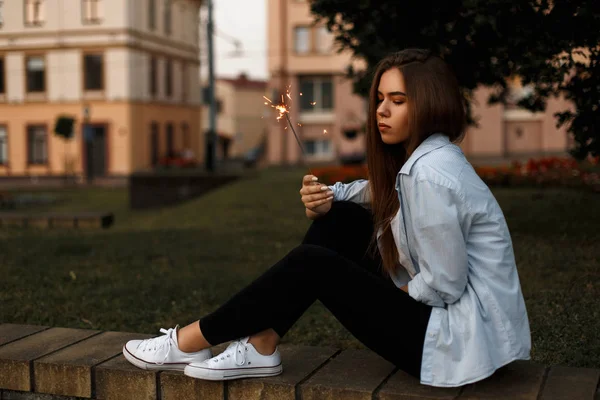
[63,128]
[551,45]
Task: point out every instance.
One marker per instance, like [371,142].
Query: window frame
[309,47]
[91,19]
[153,76]
[102,72]
[151,15]
[29,146]
[317,83]
[34,22]
[154,151]
[1,13]
[2,76]
[318,145]
[45,74]
[170,139]
[5,142]
[168,17]
[169,78]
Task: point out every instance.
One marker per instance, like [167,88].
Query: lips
[382,125]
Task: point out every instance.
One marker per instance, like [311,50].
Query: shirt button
[432,334]
[437,311]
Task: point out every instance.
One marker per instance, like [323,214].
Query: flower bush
[544,172]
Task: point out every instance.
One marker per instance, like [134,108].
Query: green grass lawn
[159,268]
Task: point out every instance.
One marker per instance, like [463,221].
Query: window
[153,76]
[317,94]
[36,74]
[37,144]
[185,133]
[90,11]
[2,89]
[3,145]
[323,40]
[168,15]
[302,39]
[34,12]
[184,82]
[93,65]
[318,148]
[154,143]
[169,78]
[152,14]
[170,140]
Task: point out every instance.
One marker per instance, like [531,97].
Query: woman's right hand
[316,196]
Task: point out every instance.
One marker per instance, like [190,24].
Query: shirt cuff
[422,292]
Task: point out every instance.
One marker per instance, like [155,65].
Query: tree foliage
[553,46]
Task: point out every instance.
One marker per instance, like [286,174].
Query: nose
[383,110]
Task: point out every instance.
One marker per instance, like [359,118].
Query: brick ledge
[48,363]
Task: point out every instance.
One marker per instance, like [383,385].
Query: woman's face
[392,110]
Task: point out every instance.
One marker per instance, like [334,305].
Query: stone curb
[42,363]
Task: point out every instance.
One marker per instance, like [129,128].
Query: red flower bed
[177,162]
[547,171]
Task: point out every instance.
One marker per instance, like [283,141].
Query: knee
[308,253]
[345,215]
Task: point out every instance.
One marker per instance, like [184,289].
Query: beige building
[301,55]
[241,124]
[121,68]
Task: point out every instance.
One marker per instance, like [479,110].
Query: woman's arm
[440,246]
[357,192]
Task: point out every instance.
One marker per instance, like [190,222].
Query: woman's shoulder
[444,165]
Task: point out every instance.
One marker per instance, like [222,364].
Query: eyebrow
[394,93]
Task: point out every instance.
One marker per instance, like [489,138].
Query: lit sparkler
[284,111]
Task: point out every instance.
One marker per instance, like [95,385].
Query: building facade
[122,69]
[241,124]
[327,116]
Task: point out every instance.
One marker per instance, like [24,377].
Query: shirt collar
[433,142]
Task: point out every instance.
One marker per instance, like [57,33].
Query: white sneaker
[239,360]
[162,352]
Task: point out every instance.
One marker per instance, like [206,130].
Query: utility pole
[283,21]
[211,139]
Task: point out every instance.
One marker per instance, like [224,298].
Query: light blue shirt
[456,254]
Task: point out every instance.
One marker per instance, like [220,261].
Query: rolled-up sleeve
[440,248]
[357,192]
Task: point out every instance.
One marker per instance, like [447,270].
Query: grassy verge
[158,268]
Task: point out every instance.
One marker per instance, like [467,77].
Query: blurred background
[144,177]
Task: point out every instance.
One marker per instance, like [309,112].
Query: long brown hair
[435,105]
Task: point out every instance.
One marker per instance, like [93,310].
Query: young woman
[416,262]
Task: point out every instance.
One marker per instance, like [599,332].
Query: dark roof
[242,82]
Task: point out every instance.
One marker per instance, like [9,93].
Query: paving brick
[176,386]
[10,395]
[118,379]
[403,386]
[352,375]
[519,380]
[16,357]
[10,332]
[564,383]
[298,363]
[68,372]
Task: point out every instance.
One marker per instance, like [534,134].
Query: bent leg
[379,314]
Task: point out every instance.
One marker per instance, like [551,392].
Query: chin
[390,140]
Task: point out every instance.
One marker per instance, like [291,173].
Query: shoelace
[158,343]
[238,349]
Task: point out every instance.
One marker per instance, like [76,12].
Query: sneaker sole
[225,375]
[152,366]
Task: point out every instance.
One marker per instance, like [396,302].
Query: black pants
[333,266]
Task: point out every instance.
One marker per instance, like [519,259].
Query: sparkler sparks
[284,111]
